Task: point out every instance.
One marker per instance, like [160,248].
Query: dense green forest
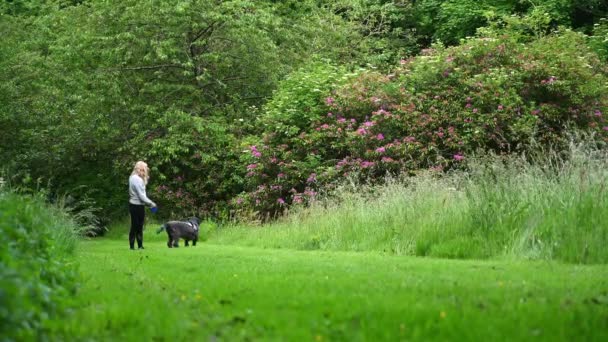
[243,108]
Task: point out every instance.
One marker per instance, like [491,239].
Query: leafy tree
[451,20]
[92,87]
[386,29]
[599,39]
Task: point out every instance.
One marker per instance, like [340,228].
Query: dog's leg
[169,240]
[194,242]
[186,243]
[176,242]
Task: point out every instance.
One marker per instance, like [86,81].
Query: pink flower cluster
[255,152]
[458,157]
[312,178]
[549,80]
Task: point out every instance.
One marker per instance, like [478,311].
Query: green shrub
[37,277]
[301,99]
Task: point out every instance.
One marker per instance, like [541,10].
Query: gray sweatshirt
[137,192]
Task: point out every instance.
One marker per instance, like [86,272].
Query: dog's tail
[163,227]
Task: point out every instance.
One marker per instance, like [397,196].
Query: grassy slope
[236,293]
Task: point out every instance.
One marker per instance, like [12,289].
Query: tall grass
[549,206]
[30,213]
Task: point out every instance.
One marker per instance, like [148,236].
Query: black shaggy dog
[187,230]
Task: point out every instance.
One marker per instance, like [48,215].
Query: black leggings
[138,214]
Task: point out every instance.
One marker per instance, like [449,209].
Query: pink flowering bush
[431,112]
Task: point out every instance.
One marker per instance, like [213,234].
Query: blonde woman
[137,202]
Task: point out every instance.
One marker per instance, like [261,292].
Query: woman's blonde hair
[141,169]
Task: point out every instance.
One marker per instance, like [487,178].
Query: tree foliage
[451,20]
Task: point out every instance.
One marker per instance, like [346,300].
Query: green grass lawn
[225,292]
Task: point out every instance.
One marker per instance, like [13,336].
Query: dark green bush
[36,276]
[194,164]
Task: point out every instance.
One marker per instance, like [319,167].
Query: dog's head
[195,220]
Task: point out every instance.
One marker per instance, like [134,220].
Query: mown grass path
[217,292]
